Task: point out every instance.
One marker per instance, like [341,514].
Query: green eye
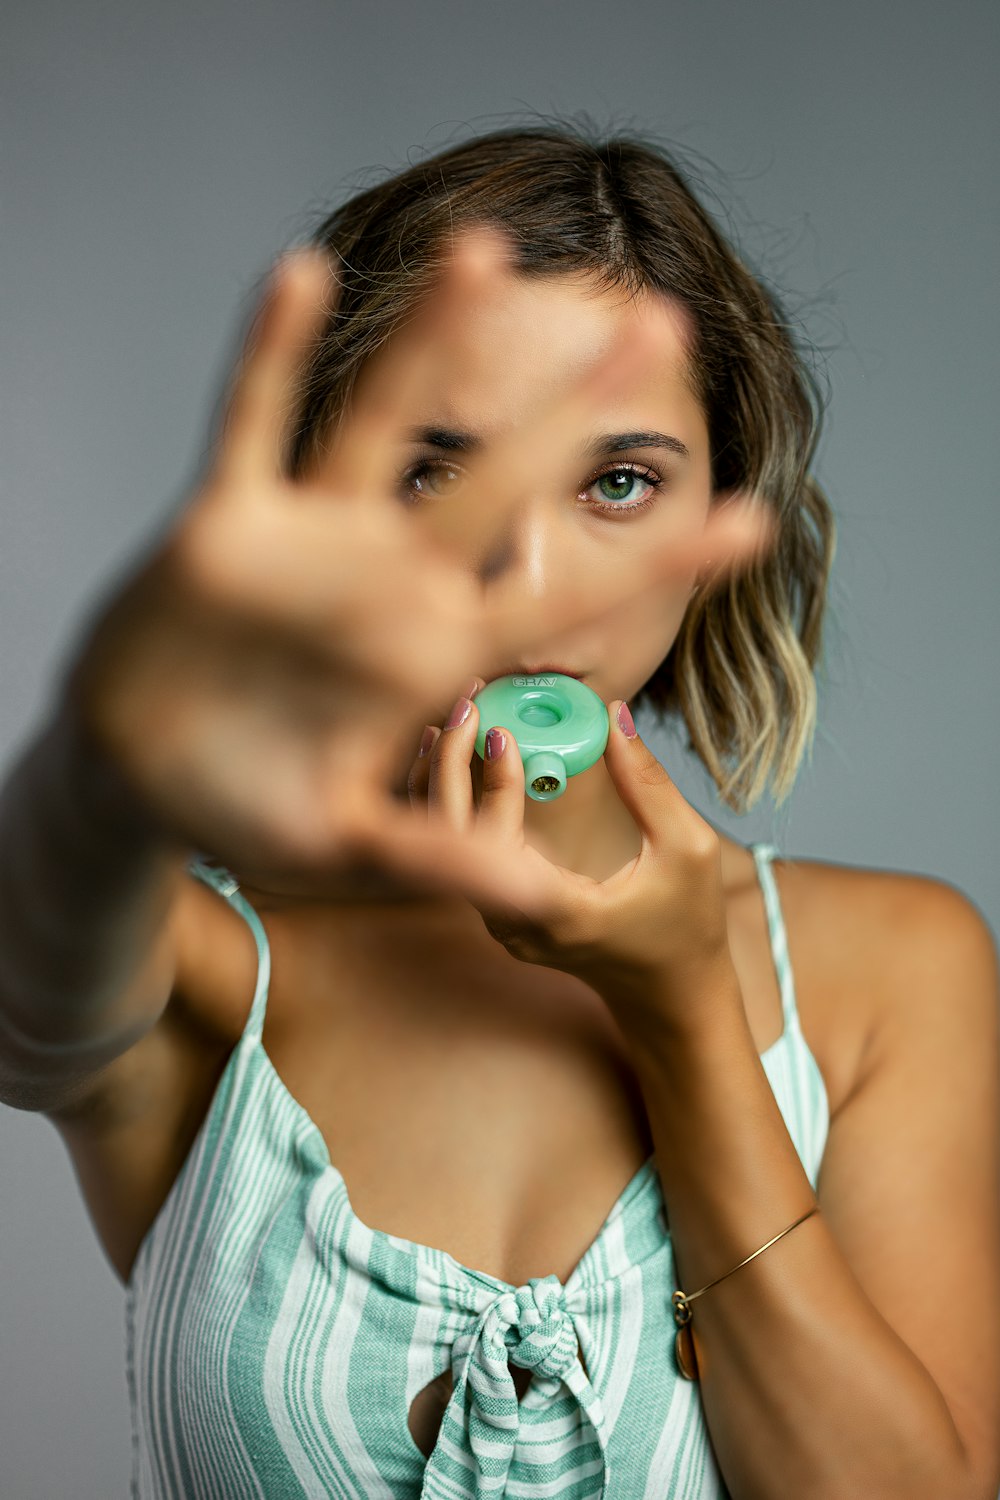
[615,484]
[625,480]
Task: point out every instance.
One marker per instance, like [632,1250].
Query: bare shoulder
[868,947]
[937,964]
[216,964]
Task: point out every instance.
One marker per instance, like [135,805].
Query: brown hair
[740,673]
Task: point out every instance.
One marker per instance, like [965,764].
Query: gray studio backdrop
[156,158]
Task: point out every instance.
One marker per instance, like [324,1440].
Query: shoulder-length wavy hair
[740,672]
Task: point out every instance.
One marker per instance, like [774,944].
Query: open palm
[258,679]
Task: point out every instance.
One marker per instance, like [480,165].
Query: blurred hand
[257,680]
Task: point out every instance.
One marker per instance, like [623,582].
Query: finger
[419,773]
[733,539]
[541,453]
[488,872]
[299,300]
[663,816]
[449,789]
[363,454]
[501,803]
[737,536]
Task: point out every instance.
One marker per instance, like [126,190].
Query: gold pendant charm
[684,1354]
[687,1360]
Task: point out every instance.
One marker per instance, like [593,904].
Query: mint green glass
[560,724]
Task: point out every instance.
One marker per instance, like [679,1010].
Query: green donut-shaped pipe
[560,724]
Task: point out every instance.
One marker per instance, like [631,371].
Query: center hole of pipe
[538,713]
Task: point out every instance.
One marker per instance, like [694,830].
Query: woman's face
[640,466]
[638,473]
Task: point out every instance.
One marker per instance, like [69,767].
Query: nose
[520,558]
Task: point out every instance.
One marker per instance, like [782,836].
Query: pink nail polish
[625,722]
[459,713]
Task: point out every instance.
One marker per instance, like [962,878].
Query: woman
[403,1007]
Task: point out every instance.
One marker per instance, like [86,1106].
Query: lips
[538,671]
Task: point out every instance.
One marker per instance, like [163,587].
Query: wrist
[87,797]
[663,1011]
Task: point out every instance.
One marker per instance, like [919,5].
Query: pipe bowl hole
[545,785]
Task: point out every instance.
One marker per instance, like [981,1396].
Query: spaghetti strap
[763,854]
[223,881]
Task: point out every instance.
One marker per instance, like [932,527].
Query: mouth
[519,671]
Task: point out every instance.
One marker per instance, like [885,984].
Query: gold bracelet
[684,1353]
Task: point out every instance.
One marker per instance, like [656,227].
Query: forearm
[86,883]
[807,1390]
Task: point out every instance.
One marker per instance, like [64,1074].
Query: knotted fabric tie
[483,1422]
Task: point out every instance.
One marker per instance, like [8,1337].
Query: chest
[478,1105]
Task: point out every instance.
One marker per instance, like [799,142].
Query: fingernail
[426,742]
[459,713]
[472,689]
[496,743]
[625,722]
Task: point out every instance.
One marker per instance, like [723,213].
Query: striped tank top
[275,1342]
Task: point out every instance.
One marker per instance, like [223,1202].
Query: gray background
[156,158]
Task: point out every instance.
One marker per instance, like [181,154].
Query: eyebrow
[452,441]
